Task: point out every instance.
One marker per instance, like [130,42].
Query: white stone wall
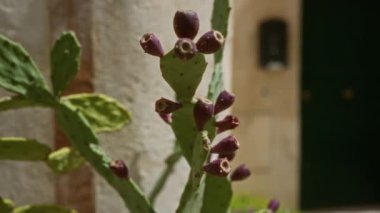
[26,22]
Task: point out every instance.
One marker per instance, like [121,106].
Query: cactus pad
[65,58]
[219,21]
[217,194]
[102,112]
[23,149]
[218,190]
[183,76]
[18,72]
[65,160]
[83,138]
[15,102]
[6,205]
[191,199]
[184,128]
[42,209]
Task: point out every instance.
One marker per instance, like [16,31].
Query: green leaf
[65,160]
[43,209]
[183,76]
[23,149]
[18,72]
[6,205]
[16,102]
[65,59]
[217,195]
[102,112]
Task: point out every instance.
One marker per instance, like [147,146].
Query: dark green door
[340,106]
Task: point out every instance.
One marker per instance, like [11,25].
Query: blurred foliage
[244,202]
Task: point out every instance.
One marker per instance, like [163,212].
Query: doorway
[340,108]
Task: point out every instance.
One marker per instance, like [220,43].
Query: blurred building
[309,106]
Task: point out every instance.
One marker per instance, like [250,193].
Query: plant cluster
[81,116]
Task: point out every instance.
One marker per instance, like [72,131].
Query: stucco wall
[27,183]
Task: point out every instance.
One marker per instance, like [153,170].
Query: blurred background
[307,99]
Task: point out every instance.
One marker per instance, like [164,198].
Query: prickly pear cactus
[65,160]
[65,57]
[104,113]
[19,73]
[23,149]
[80,116]
[42,209]
[217,194]
[6,205]
[83,138]
[15,102]
[193,119]
[220,186]
[183,76]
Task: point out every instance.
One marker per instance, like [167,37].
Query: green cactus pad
[6,205]
[65,160]
[218,190]
[43,209]
[220,15]
[183,76]
[102,112]
[18,72]
[217,195]
[83,138]
[16,102]
[193,202]
[184,128]
[191,199]
[65,59]
[23,149]
[219,21]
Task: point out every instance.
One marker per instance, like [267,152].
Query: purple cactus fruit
[218,167]
[227,145]
[224,101]
[203,111]
[185,48]
[229,156]
[240,173]
[119,168]
[166,106]
[167,117]
[151,45]
[210,42]
[186,24]
[228,123]
[274,205]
